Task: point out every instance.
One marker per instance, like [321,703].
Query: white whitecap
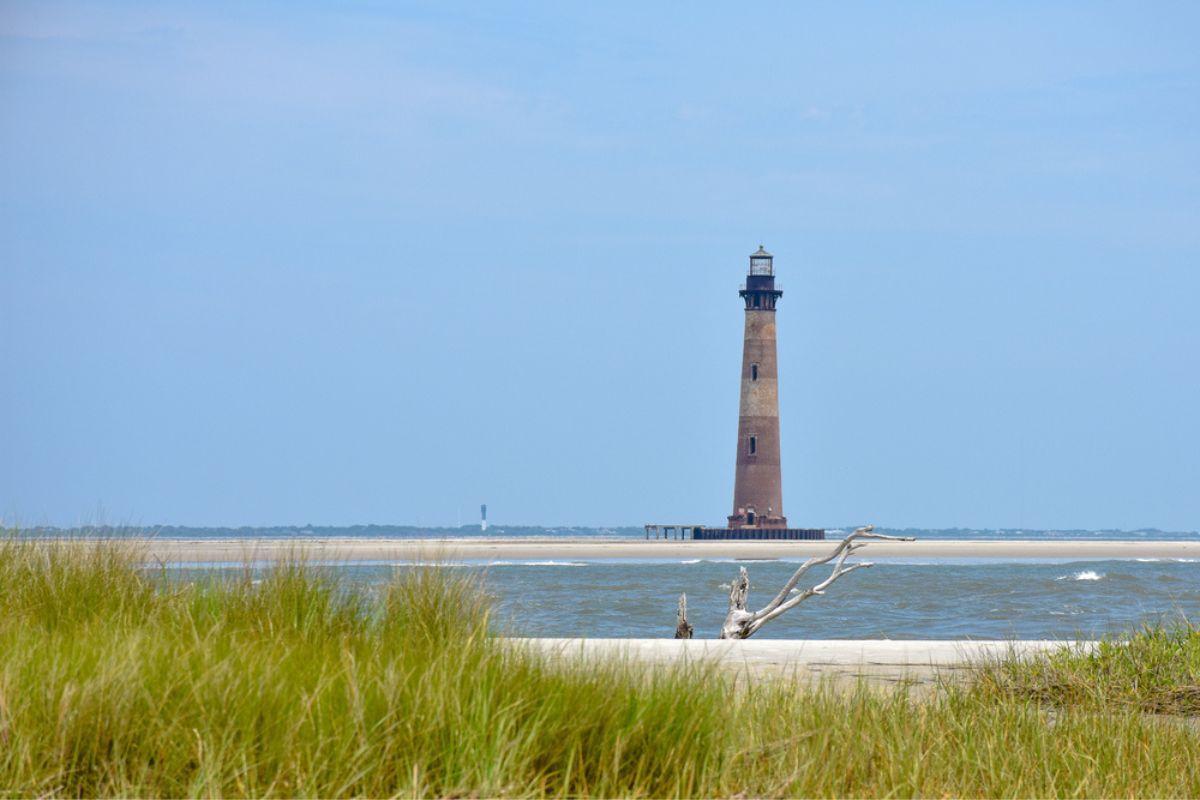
[554,564]
[1084,575]
[692,561]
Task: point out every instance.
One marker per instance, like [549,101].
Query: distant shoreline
[484,549]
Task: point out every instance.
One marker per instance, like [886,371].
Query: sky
[327,263]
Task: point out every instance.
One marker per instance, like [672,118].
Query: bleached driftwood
[742,624]
[683,628]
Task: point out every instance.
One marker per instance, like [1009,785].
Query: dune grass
[117,682]
[1156,671]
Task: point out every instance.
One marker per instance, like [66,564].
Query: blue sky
[296,262]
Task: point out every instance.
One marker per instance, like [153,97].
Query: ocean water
[896,599]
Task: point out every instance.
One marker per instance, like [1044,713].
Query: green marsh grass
[115,681]
[1156,671]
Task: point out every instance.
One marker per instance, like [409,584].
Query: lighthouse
[757,484]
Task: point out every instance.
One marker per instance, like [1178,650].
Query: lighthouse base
[774,534]
[752,520]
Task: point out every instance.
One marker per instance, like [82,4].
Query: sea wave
[1084,575]
[537,564]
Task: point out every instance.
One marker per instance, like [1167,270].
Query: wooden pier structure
[672,531]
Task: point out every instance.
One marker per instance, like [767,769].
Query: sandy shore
[484,550]
[918,662]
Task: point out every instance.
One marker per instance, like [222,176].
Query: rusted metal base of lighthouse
[757,484]
[759,533]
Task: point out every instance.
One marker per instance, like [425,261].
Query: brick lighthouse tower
[757,486]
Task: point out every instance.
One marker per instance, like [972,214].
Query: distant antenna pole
[483,518]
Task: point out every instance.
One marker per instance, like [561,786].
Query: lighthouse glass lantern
[760,262]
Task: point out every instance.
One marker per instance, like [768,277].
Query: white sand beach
[878,661]
[480,549]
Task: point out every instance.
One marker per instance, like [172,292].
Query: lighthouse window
[754,372]
[753,445]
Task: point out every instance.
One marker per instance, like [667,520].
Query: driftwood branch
[742,624]
[683,628]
